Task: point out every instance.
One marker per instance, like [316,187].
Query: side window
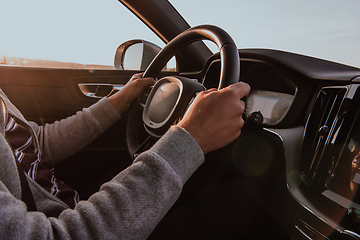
[75,34]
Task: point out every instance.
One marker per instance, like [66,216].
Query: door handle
[99,90]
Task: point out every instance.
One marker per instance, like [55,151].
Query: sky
[89,31]
[328,29]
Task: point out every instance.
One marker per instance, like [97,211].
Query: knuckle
[246,87]
[211,90]
[241,122]
[242,106]
[236,133]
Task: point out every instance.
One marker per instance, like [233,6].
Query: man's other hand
[133,88]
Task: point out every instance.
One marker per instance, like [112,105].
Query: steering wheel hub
[167,102]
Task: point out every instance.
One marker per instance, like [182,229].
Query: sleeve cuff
[105,113]
[180,150]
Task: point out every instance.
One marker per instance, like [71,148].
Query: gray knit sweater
[127,207]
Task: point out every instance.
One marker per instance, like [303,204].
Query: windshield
[89,31]
[327,29]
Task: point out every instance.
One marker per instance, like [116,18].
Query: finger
[138,74]
[138,78]
[243,104]
[148,79]
[134,78]
[241,89]
[245,88]
[145,82]
[209,90]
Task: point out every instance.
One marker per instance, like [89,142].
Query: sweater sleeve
[127,207]
[63,138]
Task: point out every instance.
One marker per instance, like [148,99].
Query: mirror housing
[135,55]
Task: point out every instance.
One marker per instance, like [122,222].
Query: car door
[45,95]
[47,78]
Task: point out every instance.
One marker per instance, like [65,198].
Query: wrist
[119,103]
[195,134]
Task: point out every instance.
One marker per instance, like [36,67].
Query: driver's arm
[142,194]
[63,138]
[130,205]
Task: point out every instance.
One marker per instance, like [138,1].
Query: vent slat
[318,128]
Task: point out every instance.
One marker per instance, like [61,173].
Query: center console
[329,169]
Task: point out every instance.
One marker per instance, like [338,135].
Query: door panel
[44,95]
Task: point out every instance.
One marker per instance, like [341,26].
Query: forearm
[128,207]
[63,138]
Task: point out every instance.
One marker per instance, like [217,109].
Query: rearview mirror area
[137,55]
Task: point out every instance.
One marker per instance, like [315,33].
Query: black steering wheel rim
[229,74]
[229,54]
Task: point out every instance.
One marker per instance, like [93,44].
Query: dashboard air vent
[319,127]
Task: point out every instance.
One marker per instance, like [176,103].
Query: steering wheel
[170,96]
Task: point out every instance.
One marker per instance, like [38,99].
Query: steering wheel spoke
[143,97]
[146,145]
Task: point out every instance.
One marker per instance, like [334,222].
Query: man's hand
[136,85]
[215,117]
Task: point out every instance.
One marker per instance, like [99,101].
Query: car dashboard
[305,159]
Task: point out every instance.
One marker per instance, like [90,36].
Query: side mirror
[135,55]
